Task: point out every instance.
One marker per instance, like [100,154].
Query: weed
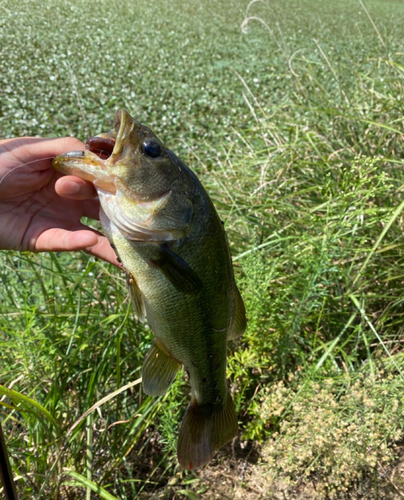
[337,431]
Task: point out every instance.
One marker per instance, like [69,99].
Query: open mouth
[93,163]
[101,146]
[112,143]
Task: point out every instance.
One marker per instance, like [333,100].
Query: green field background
[291,114]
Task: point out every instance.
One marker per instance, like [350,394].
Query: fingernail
[70,187]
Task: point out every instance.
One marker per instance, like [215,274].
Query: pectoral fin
[177,271]
[136,297]
[240,322]
[159,370]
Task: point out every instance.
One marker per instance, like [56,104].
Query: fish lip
[87,166]
[123,126]
[78,157]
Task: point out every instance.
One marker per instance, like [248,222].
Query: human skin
[40,210]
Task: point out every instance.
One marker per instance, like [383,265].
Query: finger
[91,209]
[74,188]
[36,148]
[103,250]
[61,240]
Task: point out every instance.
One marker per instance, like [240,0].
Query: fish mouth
[111,144]
[101,146]
[91,164]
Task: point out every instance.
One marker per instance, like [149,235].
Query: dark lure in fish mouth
[101,146]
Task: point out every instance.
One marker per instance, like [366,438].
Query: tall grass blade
[365,317]
[102,401]
[86,483]
[386,228]
[19,398]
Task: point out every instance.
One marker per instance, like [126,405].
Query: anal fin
[240,322]
[159,370]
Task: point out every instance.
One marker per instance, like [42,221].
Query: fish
[172,245]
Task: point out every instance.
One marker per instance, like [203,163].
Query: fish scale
[172,245]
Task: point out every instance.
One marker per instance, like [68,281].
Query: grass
[294,123]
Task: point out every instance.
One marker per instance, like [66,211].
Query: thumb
[62,240]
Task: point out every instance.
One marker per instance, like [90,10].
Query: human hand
[40,210]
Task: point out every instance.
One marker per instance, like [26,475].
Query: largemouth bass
[172,245]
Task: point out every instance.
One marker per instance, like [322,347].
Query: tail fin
[203,431]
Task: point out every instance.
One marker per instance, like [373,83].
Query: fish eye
[151,148]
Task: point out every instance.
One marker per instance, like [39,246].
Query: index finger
[25,149]
[74,188]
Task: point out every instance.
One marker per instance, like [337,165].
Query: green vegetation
[339,430]
[294,123]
